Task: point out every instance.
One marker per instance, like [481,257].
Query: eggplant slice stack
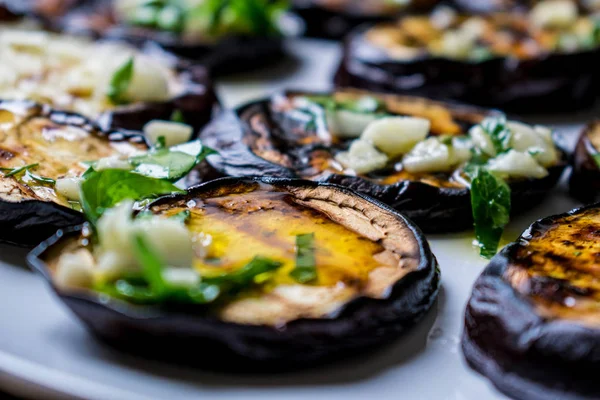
[375,277]
[189,33]
[585,177]
[273,137]
[519,62]
[532,325]
[37,146]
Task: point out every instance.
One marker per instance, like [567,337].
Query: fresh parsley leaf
[597,159]
[245,275]
[499,133]
[171,163]
[151,264]
[177,116]
[102,190]
[305,270]
[120,82]
[491,203]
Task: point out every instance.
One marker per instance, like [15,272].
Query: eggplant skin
[584,183]
[331,23]
[27,222]
[526,353]
[185,335]
[433,209]
[551,83]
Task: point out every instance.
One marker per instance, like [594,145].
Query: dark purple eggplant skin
[584,183]
[29,222]
[433,209]
[552,83]
[524,355]
[187,335]
[323,22]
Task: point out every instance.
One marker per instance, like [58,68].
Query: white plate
[45,351]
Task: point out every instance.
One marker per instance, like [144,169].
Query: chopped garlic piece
[185,277]
[174,132]
[482,140]
[396,135]
[69,187]
[149,82]
[75,270]
[348,124]
[362,157]
[169,238]
[536,140]
[112,162]
[429,156]
[457,44]
[517,164]
[554,13]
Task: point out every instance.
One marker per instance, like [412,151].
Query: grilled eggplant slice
[53,144]
[585,177]
[234,38]
[532,324]
[516,61]
[77,74]
[375,277]
[275,137]
[334,19]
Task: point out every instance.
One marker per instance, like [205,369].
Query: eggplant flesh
[532,324]
[368,300]
[519,80]
[261,138]
[59,143]
[236,53]
[584,183]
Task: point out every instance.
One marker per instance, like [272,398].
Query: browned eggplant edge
[553,82]
[433,209]
[187,335]
[524,355]
[28,222]
[584,183]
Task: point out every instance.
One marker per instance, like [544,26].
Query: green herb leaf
[597,159]
[40,179]
[171,163]
[105,189]
[490,200]
[362,105]
[245,275]
[151,263]
[498,132]
[8,172]
[177,116]
[305,270]
[120,82]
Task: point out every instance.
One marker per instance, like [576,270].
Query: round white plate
[46,353]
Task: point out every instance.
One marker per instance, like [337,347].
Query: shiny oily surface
[60,144]
[502,34]
[315,162]
[360,250]
[558,269]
